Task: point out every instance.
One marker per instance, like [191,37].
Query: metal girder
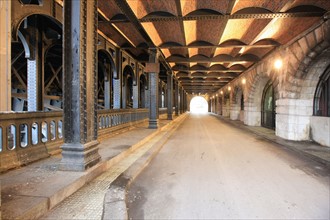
[226,16]
[55,76]
[216,46]
[206,70]
[203,84]
[234,16]
[18,76]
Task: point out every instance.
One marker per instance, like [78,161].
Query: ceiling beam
[217,46]
[188,69]
[126,9]
[226,16]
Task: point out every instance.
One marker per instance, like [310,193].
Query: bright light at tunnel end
[199,105]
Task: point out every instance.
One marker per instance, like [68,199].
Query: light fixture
[229,88]
[221,92]
[216,95]
[243,81]
[278,64]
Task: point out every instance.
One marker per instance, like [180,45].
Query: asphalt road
[211,170]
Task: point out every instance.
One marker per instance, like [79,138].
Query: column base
[153,123]
[169,116]
[79,157]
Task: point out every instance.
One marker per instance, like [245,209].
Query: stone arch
[236,103]
[314,71]
[295,110]
[252,112]
[47,69]
[225,103]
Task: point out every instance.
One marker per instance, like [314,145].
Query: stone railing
[162,113]
[29,136]
[115,119]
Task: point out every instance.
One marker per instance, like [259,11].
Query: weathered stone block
[319,34]
[304,45]
[320,130]
[296,49]
[311,40]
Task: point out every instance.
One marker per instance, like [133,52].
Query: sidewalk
[310,149]
[31,191]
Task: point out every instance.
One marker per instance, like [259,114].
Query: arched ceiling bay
[207,43]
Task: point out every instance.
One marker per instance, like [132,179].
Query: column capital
[153,55]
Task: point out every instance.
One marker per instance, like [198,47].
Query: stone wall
[304,60]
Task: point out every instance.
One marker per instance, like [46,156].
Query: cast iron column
[153,87]
[169,96]
[80,150]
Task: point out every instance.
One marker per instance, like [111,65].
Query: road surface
[212,170]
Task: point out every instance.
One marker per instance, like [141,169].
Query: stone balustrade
[29,136]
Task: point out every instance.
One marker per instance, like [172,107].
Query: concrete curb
[114,206]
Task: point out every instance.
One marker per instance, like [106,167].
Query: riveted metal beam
[218,46]
[234,16]
[226,16]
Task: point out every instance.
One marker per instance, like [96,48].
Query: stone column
[80,149]
[153,69]
[176,99]
[169,96]
[5,55]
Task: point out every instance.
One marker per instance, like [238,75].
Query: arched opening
[128,75]
[226,105]
[199,105]
[37,65]
[268,107]
[105,76]
[142,93]
[322,95]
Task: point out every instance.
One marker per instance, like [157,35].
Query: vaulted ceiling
[207,43]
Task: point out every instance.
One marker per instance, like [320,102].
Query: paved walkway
[219,171]
[31,191]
